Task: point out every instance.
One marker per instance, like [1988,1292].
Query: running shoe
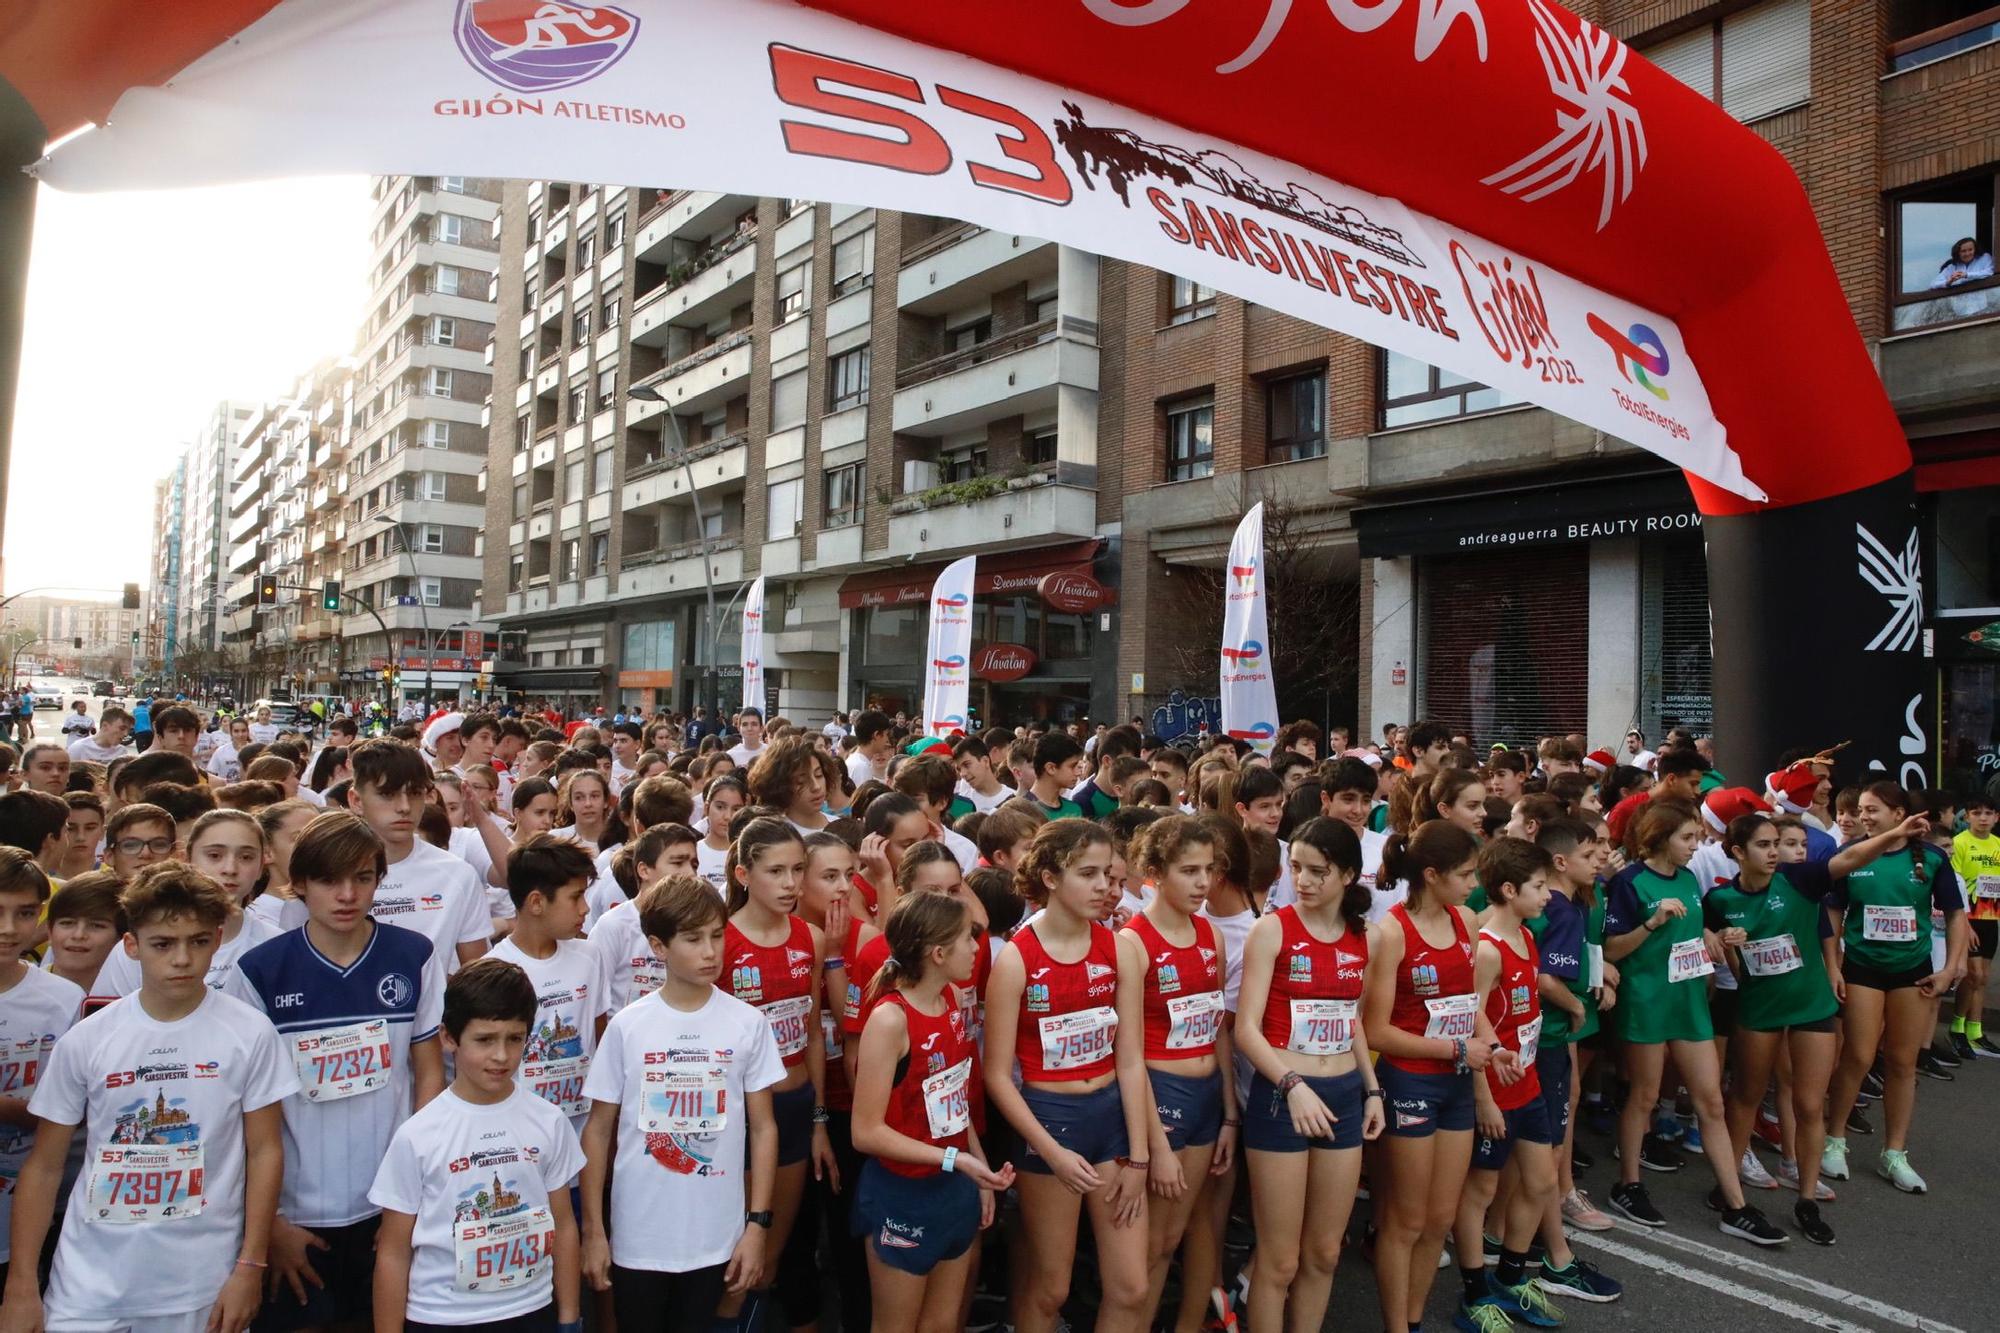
[1768,1129]
[1634,1204]
[1658,1155]
[989,1312]
[1491,1247]
[1597,1114]
[1691,1140]
[1482,1317]
[1961,1046]
[1221,1313]
[1857,1123]
[1871,1085]
[1811,1225]
[1788,1176]
[1527,1304]
[1894,1166]
[1666,1125]
[1752,1173]
[1581,1213]
[1746,1223]
[1833,1160]
[1581,1282]
[1930,1065]
[1985,1049]
[1944,1055]
[1583,1161]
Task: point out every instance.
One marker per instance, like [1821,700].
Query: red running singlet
[931,1100]
[1435,995]
[1183,992]
[778,980]
[1514,1007]
[1069,1015]
[1315,998]
[832,1011]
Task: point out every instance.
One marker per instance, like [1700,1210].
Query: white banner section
[948,650]
[753,647]
[1249,692]
[758,97]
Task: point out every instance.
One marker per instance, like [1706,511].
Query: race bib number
[336,1063]
[559,1083]
[1771,957]
[135,1184]
[1322,1027]
[1531,1041]
[504,1253]
[1192,1020]
[1987,887]
[947,1106]
[1451,1016]
[1689,961]
[687,1097]
[1074,1041]
[829,1035]
[1891,925]
[788,1023]
[1595,977]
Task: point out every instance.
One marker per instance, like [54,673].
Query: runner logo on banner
[1249,693]
[948,650]
[753,647]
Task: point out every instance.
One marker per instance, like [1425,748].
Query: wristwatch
[761,1219]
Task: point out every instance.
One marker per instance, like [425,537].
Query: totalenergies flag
[948,650]
[1249,692]
[753,646]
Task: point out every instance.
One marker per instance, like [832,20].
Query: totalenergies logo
[955,604]
[1641,355]
[1247,658]
[1257,733]
[1244,576]
[949,723]
[537,46]
[950,666]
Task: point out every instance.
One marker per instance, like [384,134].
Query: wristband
[250,1263]
[821,1115]
[1458,1055]
[1291,1080]
[1135,1163]
[1232,1124]
[950,1162]
[833,963]
[573,1326]
[1374,1092]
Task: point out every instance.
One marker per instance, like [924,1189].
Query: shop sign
[1003,662]
[1072,591]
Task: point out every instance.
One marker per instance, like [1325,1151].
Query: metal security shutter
[1506,642]
[1689,57]
[1677,689]
[1767,58]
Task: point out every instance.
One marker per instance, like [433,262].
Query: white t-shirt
[962,847]
[477,1179]
[1233,931]
[1282,893]
[620,775]
[120,973]
[34,1012]
[168,1098]
[680,1082]
[437,895]
[985,805]
[280,914]
[862,769]
[833,731]
[602,895]
[263,733]
[744,755]
[1712,866]
[78,724]
[710,863]
[86,750]
[631,971]
[572,991]
[224,763]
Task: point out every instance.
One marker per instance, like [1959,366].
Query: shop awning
[552,680]
[1548,512]
[1000,572]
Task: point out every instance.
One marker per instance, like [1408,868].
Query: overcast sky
[144,309]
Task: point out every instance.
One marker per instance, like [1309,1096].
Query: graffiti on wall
[1186,715]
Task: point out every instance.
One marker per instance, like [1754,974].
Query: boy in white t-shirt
[1347,793]
[477,1229]
[631,970]
[426,889]
[680,1079]
[546,878]
[178,1090]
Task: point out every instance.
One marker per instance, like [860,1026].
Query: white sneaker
[1833,1159]
[1752,1173]
[1788,1176]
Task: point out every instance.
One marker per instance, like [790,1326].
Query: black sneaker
[1811,1225]
[1857,1123]
[1583,1161]
[1985,1048]
[1942,1054]
[1961,1046]
[1634,1204]
[1871,1085]
[1930,1066]
[1748,1224]
[1656,1154]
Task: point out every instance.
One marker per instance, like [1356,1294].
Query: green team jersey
[1378,818]
[1064,808]
[1888,905]
[1663,988]
[1781,973]
[958,809]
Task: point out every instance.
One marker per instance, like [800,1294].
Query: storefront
[1961,511]
[1043,643]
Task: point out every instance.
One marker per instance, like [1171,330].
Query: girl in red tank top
[1421,1012]
[771,961]
[1314,1098]
[925,1190]
[1060,1002]
[1181,962]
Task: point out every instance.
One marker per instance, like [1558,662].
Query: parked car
[105,689]
[47,698]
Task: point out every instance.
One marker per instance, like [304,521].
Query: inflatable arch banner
[1498,187]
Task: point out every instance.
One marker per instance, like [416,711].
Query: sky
[144,310]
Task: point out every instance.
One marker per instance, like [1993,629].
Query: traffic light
[77,643]
[131,597]
[329,595]
[135,641]
[267,590]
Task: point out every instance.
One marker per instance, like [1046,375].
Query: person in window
[1965,265]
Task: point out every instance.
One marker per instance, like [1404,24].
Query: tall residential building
[764,443]
[208,466]
[164,605]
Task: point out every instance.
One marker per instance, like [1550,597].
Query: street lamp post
[646,393]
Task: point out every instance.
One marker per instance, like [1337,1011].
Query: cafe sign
[1002,662]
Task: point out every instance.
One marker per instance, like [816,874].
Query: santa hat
[925,744]
[1368,757]
[1791,789]
[1599,761]
[1726,804]
[441,728]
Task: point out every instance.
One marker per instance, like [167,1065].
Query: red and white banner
[1249,690]
[753,647]
[765,97]
[948,650]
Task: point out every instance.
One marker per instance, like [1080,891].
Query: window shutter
[1767,59]
[1677,688]
[1689,57]
[1503,636]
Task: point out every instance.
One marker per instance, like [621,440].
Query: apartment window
[1042,309]
[1188,300]
[854,263]
[527,361]
[843,496]
[1191,438]
[444,280]
[431,591]
[600,552]
[607,388]
[962,464]
[521,499]
[1415,391]
[784,509]
[1941,238]
[794,290]
[514,567]
[571,547]
[524,432]
[573,480]
[847,379]
[1039,447]
[579,327]
[788,400]
[794,207]
[614,230]
[600,472]
[444,331]
[436,435]
[1755,62]
[451,184]
[450,228]
[437,382]
[609,319]
[431,486]
[1295,417]
[586,251]
[967,336]
[579,401]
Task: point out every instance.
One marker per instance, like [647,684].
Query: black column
[21,142]
[1817,614]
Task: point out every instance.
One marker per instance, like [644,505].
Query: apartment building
[162,633]
[208,467]
[685,397]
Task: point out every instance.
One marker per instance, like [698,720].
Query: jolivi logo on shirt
[1424,979]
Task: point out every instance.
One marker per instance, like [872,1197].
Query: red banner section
[1004,573]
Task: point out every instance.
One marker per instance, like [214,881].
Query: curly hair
[1056,847]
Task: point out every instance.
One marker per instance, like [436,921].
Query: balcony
[682,214]
[697,290]
[707,378]
[677,569]
[1022,510]
[1020,372]
[718,463]
[956,268]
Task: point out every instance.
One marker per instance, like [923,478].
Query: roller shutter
[1505,642]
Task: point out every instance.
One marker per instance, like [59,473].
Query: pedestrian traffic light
[267,590]
[329,595]
[135,641]
[131,597]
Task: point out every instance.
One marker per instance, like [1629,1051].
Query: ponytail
[1438,846]
[917,924]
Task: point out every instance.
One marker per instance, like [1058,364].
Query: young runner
[978,789]
[228,847]
[1059,766]
[139,835]
[424,888]
[83,832]
[1315,1098]
[584,801]
[356,1003]
[789,776]
[632,969]
[681,1099]
[546,877]
[477,1229]
[1053,1002]
[177,1090]
[85,925]
[1975,859]
[36,1007]
[720,801]
[925,1190]
[282,824]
